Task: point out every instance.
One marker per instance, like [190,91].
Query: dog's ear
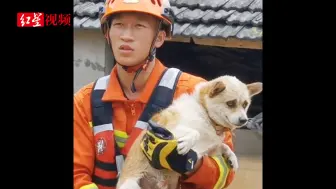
[216,88]
[254,88]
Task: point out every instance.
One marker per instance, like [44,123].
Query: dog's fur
[191,118]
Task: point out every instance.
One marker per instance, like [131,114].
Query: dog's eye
[231,103]
[245,104]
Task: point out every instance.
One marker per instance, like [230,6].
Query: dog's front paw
[233,161]
[130,184]
[186,142]
[231,156]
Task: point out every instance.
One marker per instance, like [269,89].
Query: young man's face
[131,36]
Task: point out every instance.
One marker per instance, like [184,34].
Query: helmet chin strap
[142,66]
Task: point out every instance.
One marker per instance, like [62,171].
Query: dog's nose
[242,121]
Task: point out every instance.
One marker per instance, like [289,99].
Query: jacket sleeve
[83,144]
[221,176]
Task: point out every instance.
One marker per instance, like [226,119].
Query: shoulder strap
[102,121]
[101,111]
[163,94]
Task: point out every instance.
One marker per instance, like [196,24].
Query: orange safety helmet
[158,8]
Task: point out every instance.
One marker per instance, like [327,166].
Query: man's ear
[216,88]
[160,39]
[254,88]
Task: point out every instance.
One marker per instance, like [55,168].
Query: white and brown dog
[192,118]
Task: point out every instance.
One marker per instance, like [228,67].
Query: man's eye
[139,25]
[117,24]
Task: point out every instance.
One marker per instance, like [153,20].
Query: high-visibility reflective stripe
[120,134]
[89,186]
[120,163]
[120,144]
[101,128]
[120,141]
[168,79]
[121,138]
[141,124]
[102,83]
[223,171]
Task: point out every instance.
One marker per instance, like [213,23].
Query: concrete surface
[89,57]
[249,175]
[248,148]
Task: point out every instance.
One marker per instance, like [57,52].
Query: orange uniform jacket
[126,113]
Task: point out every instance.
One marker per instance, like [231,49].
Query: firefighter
[112,111]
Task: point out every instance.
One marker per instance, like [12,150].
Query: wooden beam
[180,39]
[231,42]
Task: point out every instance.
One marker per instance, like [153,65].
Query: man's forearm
[220,175]
[196,167]
[206,166]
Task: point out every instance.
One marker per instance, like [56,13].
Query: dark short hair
[163,27]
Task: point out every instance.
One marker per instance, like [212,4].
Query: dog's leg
[134,168]
[233,160]
[131,183]
[186,138]
[163,179]
[172,178]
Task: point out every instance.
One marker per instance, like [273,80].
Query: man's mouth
[126,48]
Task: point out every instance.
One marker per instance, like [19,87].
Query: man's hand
[161,149]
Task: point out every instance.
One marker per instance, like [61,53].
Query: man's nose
[126,35]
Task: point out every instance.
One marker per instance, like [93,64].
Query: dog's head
[227,99]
